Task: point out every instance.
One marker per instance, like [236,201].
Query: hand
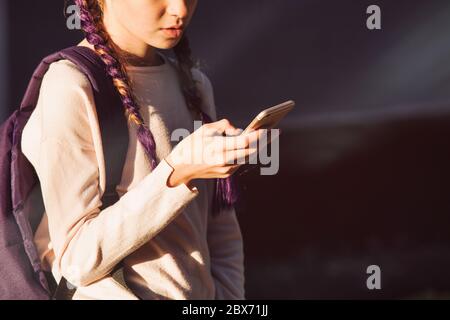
[207,154]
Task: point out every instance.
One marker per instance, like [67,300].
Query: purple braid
[91,15]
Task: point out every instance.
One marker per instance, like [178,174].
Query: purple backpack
[21,204]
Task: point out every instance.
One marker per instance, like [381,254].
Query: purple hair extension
[97,36]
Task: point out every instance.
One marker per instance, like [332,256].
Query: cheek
[140,17]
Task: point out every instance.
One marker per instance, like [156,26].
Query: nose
[178,8]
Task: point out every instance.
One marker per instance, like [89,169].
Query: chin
[164,44]
[168,46]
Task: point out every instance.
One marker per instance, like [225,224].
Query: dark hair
[91,15]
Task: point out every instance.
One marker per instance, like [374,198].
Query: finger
[242,141]
[233,132]
[249,152]
[222,126]
[239,156]
[231,170]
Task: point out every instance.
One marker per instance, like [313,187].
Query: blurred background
[364,173]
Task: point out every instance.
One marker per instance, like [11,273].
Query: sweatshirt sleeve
[224,235]
[89,242]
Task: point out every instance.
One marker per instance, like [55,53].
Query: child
[162,229]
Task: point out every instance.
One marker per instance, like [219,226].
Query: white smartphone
[270,117]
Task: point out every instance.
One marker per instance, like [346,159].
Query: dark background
[364,176]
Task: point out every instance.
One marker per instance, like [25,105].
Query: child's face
[146,20]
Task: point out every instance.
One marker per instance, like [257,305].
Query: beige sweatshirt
[171,246]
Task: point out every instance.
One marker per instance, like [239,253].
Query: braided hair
[91,16]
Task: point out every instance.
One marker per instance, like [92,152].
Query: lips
[175,26]
[172,33]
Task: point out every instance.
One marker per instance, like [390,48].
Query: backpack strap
[111,118]
[113,126]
